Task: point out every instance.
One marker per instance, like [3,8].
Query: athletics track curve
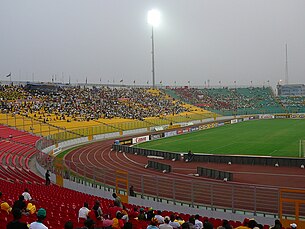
[98,158]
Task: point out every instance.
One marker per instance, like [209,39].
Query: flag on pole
[9,75]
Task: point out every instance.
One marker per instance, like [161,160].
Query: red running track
[98,156]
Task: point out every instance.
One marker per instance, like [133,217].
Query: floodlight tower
[153,19]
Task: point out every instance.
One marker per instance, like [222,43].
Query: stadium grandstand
[229,101]
[47,127]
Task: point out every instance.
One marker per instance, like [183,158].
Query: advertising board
[169,134]
[140,139]
[179,131]
[194,128]
[233,121]
[281,116]
[266,116]
[221,124]
[156,136]
[126,142]
[297,116]
[186,130]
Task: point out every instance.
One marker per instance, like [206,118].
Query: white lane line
[137,163]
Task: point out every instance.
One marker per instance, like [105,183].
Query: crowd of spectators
[223,99]
[117,216]
[75,103]
[293,103]
[84,103]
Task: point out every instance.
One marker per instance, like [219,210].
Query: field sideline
[276,137]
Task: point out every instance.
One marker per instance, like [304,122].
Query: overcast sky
[197,40]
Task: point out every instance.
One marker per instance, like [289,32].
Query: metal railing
[204,194]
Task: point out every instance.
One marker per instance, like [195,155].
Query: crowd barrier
[159,166]
[147,152]
[214,174]
[251,160]
[225,159]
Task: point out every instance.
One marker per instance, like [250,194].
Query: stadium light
[153,19]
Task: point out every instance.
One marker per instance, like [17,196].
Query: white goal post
[302,148]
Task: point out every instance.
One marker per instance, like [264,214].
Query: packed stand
[83,103]
[293,103]
[238,100]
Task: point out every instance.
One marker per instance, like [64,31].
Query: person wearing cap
[41,215]
[153,224]
[166,225]
[16,224]
[142,215]
[293,226]
[159,217]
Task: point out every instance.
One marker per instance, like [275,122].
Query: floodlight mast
[153,18]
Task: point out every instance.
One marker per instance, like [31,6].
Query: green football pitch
[276,137]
